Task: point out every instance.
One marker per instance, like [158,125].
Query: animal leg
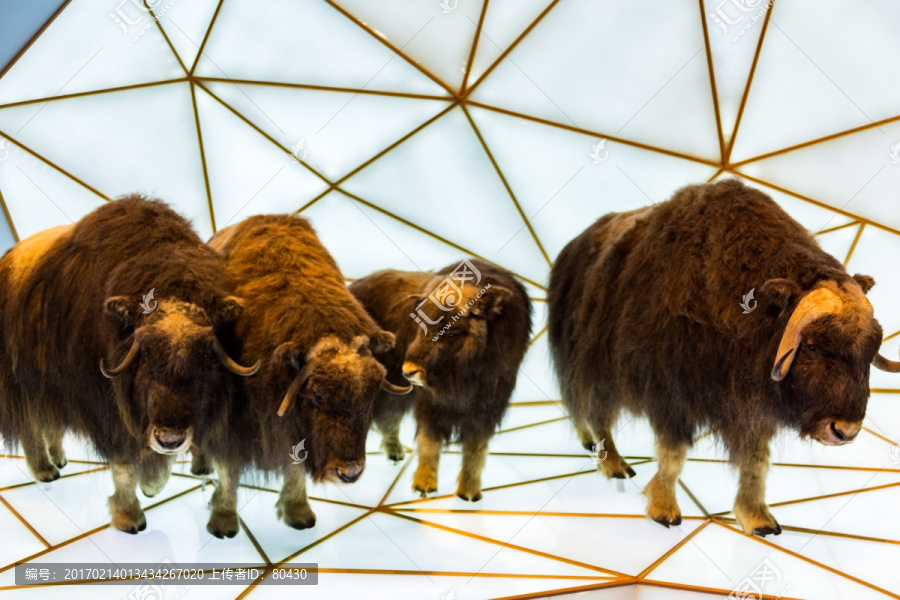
[750,505]
[474,455]
[585,436]
[223,520]
[663,507]
[389,426]
[126,511]
[429,449]
[154,472]
[605,454]
[293,505]
[36,455]
[200,465]
[53,438]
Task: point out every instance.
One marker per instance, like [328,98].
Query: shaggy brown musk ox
[645,314]
[461,344]
[318,379]
[71,306]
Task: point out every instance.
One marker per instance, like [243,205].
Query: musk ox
[646,313]
[310,407]
[108,327]
[461,334]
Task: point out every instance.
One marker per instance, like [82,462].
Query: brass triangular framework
[460,98]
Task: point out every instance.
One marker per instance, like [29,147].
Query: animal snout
[169,439]
[836,433]
[349,472]
[414,373]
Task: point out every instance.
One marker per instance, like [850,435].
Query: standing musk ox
[464,363]
[79,351]
[318,378]
[645,314]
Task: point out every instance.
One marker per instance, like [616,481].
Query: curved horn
[292,391]
[880,362]
[398,389]
[817,303]
[126,362]
[229,362]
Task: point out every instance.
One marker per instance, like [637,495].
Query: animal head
[823,357]
[332,395]
[174,360]
[453,341]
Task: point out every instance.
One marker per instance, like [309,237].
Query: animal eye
[452,333]
[812,347]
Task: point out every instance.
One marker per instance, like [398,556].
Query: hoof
[298,516]
[757,520]
[46,475]
[764,531]
[589,446]
[223,524]
[201,470]
[667,522]
[130,522]
[616,468]
[61,462]
[425,483]
[307,523]
[469,497]
[394,450]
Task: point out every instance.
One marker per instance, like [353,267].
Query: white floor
[548,523]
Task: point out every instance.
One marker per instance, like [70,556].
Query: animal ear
[287,354]
[122,309]
[780,292]
[381,342]
[865,282]
[492,302]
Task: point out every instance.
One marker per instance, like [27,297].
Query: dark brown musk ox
[310,407]
[646,314]
[108,328]
[461,334]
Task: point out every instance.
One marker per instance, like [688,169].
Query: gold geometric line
[406,462]
[24,522]
[712,82]
[506,185]
[718,592]
[9,220]
[90,532]
[512,46]
[838,228]
[34,38]
[851,536]
[855,242]
[573,590]
[878,435]
[820,140]
[714,175]
[693,498]
[327,191]
[520,427]
[521,513]
[672,550]
[123,88]
[535,403]
[205,38]
[260,131]
[209,200]
[465,81]
[746,94]
[162,30]
[890,337]
[803,466]
[28,483]
[458,574]
[822,497]
[613,138]
[481,538]
[811,561]
[885,390]
[54,165]
[323,88]
[818,203]
[420,127]
[391,46]
[254,541]
[542,331]
[429,233]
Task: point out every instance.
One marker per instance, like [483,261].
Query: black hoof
[303,524]
[474,498]
[589,446]
[764,531]
[200,471]
[663,522]
[631,472]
